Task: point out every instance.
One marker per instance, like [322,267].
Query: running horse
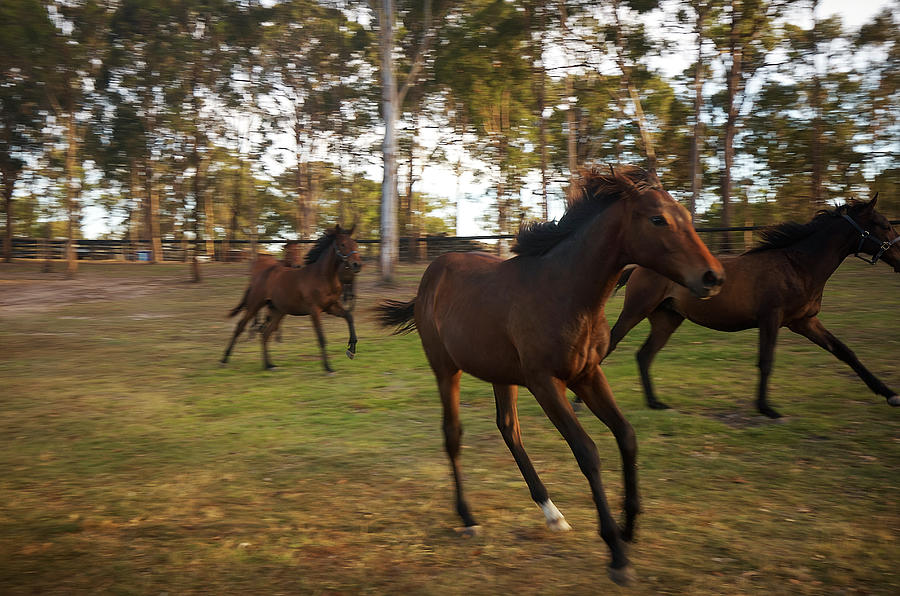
[776,284]
[310,290]
[537,320]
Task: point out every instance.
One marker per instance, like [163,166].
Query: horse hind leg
[238,329]
[813,329]
[448,385]
[273,321]
[506,397]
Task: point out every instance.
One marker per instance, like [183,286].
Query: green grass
[132,463]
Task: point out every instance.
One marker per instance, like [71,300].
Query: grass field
[132,463]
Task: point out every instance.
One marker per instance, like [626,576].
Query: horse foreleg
[663,323]
[550,394]
[273,320]
[339,311]
[768,334]
[595,392]
[316,317]
[813,329]
[506,397]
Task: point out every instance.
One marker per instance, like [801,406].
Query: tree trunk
[209,220]
[388,228]
[646,136]
[199,164]
[134,233]
[731,107]
[696,138]
[815,100]
[156,252]
[9,182]
[71,225]
[572,139]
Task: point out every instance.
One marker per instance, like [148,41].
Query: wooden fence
[426,247]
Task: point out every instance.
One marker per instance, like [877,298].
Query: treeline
[228,119]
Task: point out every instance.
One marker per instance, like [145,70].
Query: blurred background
[209,126]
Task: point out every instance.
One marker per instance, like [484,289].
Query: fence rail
[425,247]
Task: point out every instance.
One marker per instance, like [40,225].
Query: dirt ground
[25,289]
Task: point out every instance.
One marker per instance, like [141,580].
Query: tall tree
[25,29]
[744,39]
[422,25]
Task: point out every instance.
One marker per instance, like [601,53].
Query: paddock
[134,463]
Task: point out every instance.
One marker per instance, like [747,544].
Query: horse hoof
[894,400]
[559,525]
[270,367]
[469,531]
[351,355]
[622,576]
[658,405]
[770,413]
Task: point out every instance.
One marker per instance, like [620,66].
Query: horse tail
[393,313]
[624,276]
[240,306]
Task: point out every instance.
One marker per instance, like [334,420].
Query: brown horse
[309,290]
[537,320]
[778,283]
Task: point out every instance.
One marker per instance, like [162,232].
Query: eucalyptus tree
[64,59]
[420,23]
[744,35]
[25,30]
[486,65]
[805,129]
[320,78]
[879,41]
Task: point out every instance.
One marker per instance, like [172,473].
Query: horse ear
[352,229]
[337,228]
[871,204]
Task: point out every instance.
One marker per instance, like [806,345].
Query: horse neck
[588,266]
[822,253]
[327,264]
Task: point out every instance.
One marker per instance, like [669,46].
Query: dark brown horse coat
[777,284]
[537,320]
[310,290]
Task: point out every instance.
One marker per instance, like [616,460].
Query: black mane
[790,232]
[323,243]
[594,192]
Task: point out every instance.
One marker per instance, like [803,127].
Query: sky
[468,194]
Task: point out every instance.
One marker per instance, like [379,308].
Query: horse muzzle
[709,285]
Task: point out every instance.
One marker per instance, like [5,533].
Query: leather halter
[883,245]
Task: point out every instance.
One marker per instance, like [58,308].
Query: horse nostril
[711,279]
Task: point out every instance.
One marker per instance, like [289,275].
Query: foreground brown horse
[309,290]
[537,320]
[776,284]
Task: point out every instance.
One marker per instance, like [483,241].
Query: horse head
[346,248]
[877,238]
[662,237]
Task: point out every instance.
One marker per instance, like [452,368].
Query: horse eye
[658,220]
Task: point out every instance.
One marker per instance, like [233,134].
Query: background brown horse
[776,284]
[309,290]
[537,320]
